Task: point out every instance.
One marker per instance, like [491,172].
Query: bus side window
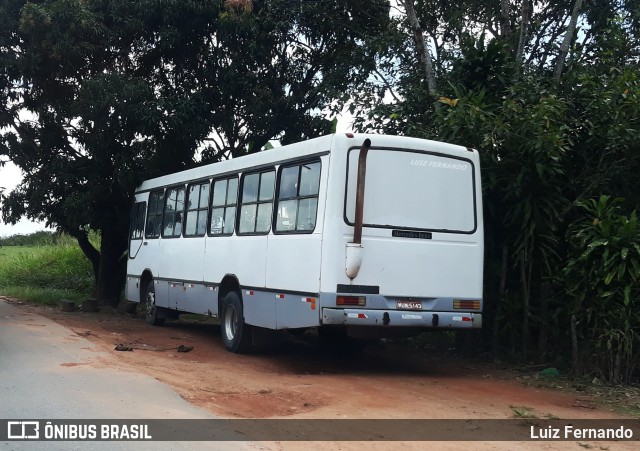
[137,221]
[154,214]
[297,205]
[257,202]
[197,206]
[223,206]
[173,210]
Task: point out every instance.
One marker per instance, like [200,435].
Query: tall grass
[45,273]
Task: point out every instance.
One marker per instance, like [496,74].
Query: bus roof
[296,151]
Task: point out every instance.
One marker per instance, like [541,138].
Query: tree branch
[388,85]
[568,38]
[424,55]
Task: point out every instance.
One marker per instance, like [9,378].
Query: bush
[602,276]
[55,267]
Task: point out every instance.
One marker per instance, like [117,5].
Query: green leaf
[621,269]
[624,253]
[597,243]
[627,295]
[609,277]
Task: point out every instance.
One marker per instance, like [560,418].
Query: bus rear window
[414,190]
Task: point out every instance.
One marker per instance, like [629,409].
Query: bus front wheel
[236,334]
[150,308]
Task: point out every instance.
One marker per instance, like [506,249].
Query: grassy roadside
[45,274]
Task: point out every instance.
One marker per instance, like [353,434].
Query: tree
[101,95]
[547,142]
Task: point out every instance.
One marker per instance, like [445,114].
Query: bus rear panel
[422,240]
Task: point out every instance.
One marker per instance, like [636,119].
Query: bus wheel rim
[151,303]
[230,322]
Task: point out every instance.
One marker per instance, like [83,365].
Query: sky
[10,177]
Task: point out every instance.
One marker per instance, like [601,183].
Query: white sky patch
[345,122]
[10,177]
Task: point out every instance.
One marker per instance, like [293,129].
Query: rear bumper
[401,318]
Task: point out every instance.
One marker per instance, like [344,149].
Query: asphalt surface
[44,374]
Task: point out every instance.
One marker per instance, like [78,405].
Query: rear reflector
[311,301]
[459,304]
[351,300]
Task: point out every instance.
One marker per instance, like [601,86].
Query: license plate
[409,305]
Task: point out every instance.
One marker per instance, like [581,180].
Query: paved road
[42,376]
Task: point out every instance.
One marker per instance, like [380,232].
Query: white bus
[361,235]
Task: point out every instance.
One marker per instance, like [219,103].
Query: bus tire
[236,334]
[151,311]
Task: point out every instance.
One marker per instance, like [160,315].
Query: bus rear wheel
[150,309]
[236,334]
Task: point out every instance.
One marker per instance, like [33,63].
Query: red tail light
[462,304]
[351,300]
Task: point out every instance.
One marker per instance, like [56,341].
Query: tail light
[461,304]
[351,300]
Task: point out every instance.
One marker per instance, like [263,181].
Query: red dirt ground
[298,379]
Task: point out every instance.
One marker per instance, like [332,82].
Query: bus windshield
[409,189]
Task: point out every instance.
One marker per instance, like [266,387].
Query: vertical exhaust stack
[354,250]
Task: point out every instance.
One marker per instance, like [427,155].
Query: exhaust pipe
[362,172]
[354,249]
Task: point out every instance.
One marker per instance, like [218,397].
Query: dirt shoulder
[299,379]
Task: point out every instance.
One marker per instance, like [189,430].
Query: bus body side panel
[182,259]
[243,257]
[161,292]
[132,289]
[293,264]
[198,298]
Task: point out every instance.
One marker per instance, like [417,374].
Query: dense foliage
[548,92]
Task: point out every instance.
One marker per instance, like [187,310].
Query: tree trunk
[575,364]
[526,293]
[495,344]
[566,42]
[617,365]
[505,23]
[424,55]
[524,31]
[91,253]
[546,292]
[112,271]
